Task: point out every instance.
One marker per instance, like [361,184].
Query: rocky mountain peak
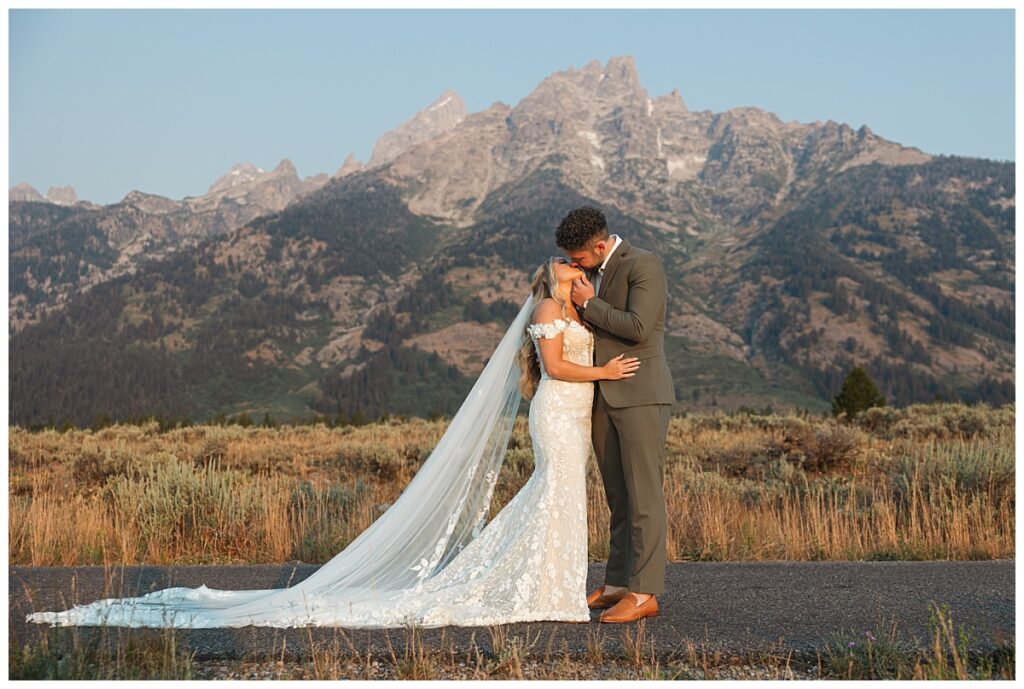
[25,192]
[237,176]
[747,186]
[286,167]
[64,196]
[617,80]
[350,165]
[133,196]
[438,117]
[670,102]
[613,141]
[149,203]
[623,69]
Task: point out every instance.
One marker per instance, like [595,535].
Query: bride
[428,560]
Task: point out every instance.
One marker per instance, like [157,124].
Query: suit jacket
[628,316]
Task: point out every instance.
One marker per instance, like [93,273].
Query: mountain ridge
[414,265]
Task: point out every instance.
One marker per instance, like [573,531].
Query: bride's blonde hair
[543,285]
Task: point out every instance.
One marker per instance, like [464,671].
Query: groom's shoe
[598,601]
[629,610]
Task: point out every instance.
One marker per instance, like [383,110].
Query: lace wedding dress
[528,564]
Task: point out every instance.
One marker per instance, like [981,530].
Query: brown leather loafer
[598,601]
[629,610]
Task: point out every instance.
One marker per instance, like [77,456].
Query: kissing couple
[587,350]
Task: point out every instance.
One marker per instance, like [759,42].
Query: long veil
[443,508]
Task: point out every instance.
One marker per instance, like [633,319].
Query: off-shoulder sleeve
[547,330]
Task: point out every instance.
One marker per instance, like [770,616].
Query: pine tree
[858,393]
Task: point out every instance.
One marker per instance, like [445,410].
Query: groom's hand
[582,289]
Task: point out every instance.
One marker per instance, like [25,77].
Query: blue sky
[166,101]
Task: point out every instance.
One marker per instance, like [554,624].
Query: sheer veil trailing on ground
[443,509]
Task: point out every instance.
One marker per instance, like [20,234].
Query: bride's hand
[620,368]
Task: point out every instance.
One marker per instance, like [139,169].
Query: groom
[625,304]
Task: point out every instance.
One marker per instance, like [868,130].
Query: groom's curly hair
[579,227]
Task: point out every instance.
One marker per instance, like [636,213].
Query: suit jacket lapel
[613,263]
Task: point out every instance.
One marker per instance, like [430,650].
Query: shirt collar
[618,240]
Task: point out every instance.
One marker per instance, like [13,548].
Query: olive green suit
[631,415]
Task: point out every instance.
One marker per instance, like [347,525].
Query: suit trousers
[629,443]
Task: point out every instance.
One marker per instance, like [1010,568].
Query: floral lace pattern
[528,564]
[577,345]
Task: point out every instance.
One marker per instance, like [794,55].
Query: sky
[166,101]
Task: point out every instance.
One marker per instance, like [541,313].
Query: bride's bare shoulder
[546,311]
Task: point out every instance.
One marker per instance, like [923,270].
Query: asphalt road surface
[784,607]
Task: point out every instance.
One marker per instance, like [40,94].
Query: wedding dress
[426,561]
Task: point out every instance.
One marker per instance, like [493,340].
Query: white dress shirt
[600,270]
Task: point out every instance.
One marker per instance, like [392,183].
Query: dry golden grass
[924,482]
[929,481]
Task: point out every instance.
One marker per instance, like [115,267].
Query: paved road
[733,607]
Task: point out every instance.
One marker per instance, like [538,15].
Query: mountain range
[795,251]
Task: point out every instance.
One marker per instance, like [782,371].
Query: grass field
[924,482]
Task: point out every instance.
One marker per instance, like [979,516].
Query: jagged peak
[617,80]
[832,125]
[671,100]
[64,196]
[444,113]
[240,168]
[25,192]
[350,165]
[449,98]
[286,167]
[238,175]
[136,193]
[622,68]
[135,196]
